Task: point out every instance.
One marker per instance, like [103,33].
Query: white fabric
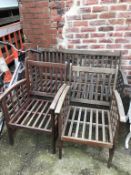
[8,3]
[3,65]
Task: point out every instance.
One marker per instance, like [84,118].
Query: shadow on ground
[31,155]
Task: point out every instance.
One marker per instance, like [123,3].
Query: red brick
[70,46]
[107,15]
[127,34]
[74,17]
[43,15]
[124,15]
[116,21]
[85,9]
[80,23]
[113,46]
[89,16]
[97,22]
[76,41]
[52,5]
[95,35]
[119,7]
[99,46]
[128,21]
[106,29]
[107,1]
[69,36]
[125,0]
[56,18]
[122,40]
[74,30]
[116,34]
[123,28]
[88,29]
[81,35]
[90,2]
[105,40]
[89,41]
[128,46]
[100,8]
[81,46]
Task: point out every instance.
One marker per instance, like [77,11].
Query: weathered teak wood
[30,103]
[86,58]
[92,85]
[82,57]
[88,124]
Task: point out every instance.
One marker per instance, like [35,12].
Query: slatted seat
[88,125]
[30,103]
[84,119]
[35,114]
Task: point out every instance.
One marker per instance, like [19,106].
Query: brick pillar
[35,20]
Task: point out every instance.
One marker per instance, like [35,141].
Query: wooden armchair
[95,122]
[30,103]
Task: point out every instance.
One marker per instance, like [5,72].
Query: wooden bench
[89,120]
[30,103]
[102,59]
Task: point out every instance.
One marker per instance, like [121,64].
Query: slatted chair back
[81,57]
[14,99]
[92,85]
[45,78]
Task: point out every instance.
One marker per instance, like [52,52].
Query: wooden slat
[94,69]
[84,123]
[67,119]
[41,123]
[72,121]
[95,102]
[42,111]
[90,125]
[103,127]
[34,106]
[35,112]
[78,122]
[27,107]
[97,130]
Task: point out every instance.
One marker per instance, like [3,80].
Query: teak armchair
[89,120]
[30,103]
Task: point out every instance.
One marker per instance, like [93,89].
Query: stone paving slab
[31,155]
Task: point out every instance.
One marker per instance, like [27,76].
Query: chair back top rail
[81,57]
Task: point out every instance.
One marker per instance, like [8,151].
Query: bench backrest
[81,57]
[45,78]
[92,85]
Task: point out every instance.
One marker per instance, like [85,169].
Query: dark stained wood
[27,104]
[92,85]
[90,125]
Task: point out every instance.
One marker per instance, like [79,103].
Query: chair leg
[111,154]
[53,144]
[60,149]
[10,135]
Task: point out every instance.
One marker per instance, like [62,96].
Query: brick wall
[35,20]
[80,24]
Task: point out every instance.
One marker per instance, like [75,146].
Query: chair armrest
[13,87]
[121,82]
[63,100]
[62,109]
[57,96]
[123,117]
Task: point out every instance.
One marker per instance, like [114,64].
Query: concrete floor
[31,155]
